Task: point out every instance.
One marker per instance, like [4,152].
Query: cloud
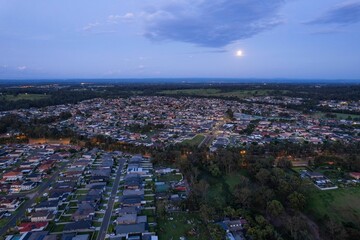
[22,68]
[91,26]
[127,17]
[343,14]
[214,23]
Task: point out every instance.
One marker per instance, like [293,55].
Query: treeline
[33,129]
[68,95]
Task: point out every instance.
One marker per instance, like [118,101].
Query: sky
[292,39]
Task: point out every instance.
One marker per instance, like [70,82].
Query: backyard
[176,225]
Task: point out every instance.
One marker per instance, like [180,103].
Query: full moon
[239,53]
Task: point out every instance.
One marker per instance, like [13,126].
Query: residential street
[108,213]
[32,199]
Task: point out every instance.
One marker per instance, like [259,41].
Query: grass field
[340,204]
[211,92]
[195,141]
[233,179]
[221,189]
[30,97]
[178,225]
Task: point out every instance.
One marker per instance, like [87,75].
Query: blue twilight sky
[180,38]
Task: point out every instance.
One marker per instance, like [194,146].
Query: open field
[211,92]
[340,204]
[195,141]
[30,97]
[177,225]
[221,189]
[234,179]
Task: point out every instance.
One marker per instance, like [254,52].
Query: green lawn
[233,179]
[71,211]
[169,177]
[147,212]
[97,224]
[3,222]
[73,204]
[332,173]
[222,188]
[299,169]
[195,141]
[149,198]
[99,215]
[82,191]
[58,228]
[25,96]
[340,204]
[181,225]
[65,219]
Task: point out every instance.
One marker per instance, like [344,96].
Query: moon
[239,53]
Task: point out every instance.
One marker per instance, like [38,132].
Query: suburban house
[127,229]
[47,205]
[41,216]
[83,225]
[13,176]
[32,226]
[132,201]
[85,211]
[355,175]
[131,219]
[132,181]
[9,204]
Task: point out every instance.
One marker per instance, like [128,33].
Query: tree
[274,209]
[243,197]
[284,163]
[230,212]
[263,176]
[262,230]
[230,113]
[334,229]
[206,213]
[297,227]
[214,170]
[297,201]
[216,232]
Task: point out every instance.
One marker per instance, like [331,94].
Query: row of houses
[56,202]
[130,223]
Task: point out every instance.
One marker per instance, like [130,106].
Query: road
[32,199]
[207,140]
[108,213]
[212,134]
